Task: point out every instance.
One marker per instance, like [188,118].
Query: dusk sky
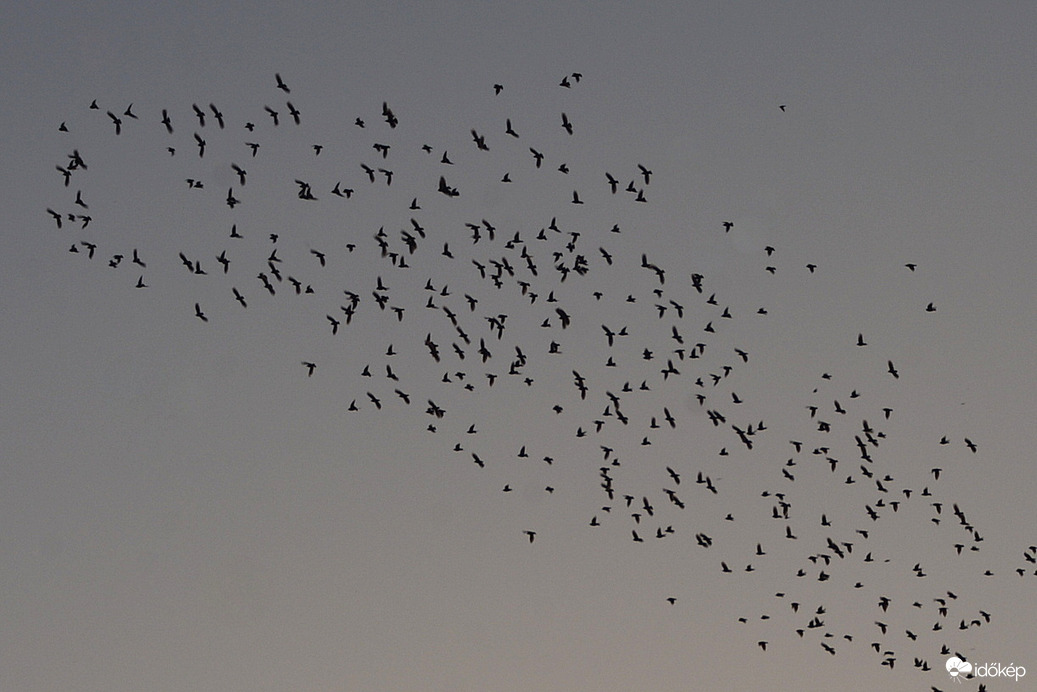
[547,346]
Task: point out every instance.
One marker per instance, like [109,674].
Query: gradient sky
[183,509]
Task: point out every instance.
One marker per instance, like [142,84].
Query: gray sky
[183,508]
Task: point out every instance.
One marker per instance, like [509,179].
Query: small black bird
[117,121]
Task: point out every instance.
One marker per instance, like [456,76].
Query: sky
[187,504]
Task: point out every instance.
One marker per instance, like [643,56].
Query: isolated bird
[566,125]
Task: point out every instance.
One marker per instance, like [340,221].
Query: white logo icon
[956,667]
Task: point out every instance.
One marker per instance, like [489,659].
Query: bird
[446,189]
[217,114]
[390,117]
[116,121]
[566,125]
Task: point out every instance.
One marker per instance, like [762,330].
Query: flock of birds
[547,308]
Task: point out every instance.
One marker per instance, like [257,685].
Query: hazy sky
[183,508]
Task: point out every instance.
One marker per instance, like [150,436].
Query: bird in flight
[116,121]
[446,189]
